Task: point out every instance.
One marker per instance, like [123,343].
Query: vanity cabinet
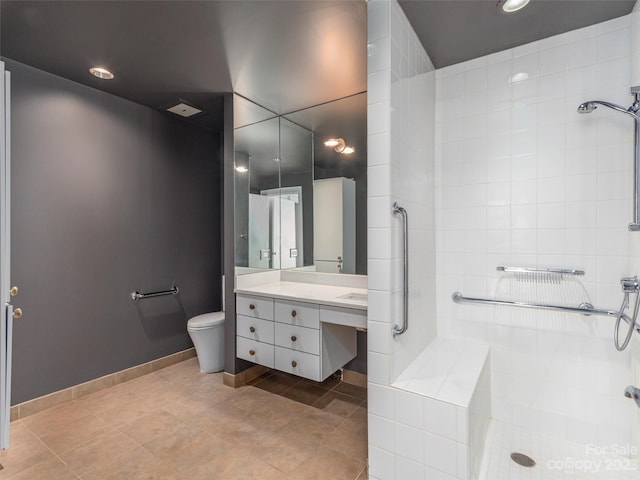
[290,336]
[254,330]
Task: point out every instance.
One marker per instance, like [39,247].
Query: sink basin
[355,296]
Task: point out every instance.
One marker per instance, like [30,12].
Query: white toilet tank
[207,334]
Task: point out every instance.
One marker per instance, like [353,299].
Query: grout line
[48,448]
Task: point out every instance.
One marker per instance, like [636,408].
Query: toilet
[207,334]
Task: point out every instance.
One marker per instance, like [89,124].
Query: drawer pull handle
[294,364]
[252,352]
[252,306]
[252,329]
[293,338]
[294,313]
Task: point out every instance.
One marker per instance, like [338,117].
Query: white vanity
[300,323]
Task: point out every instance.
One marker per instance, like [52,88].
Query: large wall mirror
[301,187]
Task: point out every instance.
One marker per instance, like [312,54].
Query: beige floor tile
[353,390]
[100,455]
[52,469]
[284,453]
[248,398]
[349,438]
[138,464]
[327,464]
[338,404]
[234,466]
[150,426]
[312,427]
[364,474]
[25,451]
[66,427]
[191,452]
[359,415]
[179,424]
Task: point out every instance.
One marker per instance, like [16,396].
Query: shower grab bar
[559,271]
[584,308]
[140,296]
[399,330]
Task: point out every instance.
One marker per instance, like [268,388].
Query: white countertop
[336,296]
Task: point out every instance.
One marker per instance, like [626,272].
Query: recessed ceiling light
[333,142]
[510,6]
[102,73]
[242,169]
[348,150]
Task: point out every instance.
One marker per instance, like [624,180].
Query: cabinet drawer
[298,313]
[255,329]
[255,307]
[297,338]
[298,363]
[254,351]
[349,317]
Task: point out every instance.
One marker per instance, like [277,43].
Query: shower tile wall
[522,179]
[401,117]
[635,380]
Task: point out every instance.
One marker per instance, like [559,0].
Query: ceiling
[453,31]
[284,55]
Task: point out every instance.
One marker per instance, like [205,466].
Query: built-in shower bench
[454,377]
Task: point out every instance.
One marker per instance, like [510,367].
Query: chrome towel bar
[584,308]
[397,329]
[140,296]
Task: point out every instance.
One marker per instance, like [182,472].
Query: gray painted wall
[108,197]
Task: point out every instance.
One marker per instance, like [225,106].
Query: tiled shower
[495,167]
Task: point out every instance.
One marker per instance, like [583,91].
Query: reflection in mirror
[257,169]
[296,192]
[340,187]
[273,191]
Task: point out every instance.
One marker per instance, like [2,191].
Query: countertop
[346,297]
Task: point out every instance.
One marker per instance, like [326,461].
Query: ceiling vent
[184,110]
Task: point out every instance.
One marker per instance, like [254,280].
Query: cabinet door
[297,313]
[256,352]
[256,307]
[298,363]
[255,329]
[297,338]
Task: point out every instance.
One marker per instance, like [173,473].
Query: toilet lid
[206,320]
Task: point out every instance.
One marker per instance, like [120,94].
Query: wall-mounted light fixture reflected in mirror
[339,145]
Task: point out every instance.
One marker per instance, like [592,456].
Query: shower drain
[523,460]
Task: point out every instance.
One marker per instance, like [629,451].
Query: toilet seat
[206,320]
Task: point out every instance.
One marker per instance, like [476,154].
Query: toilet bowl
[207,334]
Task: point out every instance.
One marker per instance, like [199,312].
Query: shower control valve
[633,393]
[630,284]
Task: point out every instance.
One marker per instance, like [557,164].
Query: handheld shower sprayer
[590,106]
[634,112]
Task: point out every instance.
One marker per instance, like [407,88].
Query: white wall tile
[556,192]
[409,408]
[382,432]
[409,442]
[381,464]
[409,470]
[441,454]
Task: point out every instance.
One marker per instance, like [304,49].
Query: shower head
[587,107]
[590,106]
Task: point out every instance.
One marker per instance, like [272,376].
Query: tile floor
[179,424]
[555,458]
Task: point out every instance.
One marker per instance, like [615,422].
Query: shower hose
[632,321]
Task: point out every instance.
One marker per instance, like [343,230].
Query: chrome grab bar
[584,308]
[140,296]
[399,330]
